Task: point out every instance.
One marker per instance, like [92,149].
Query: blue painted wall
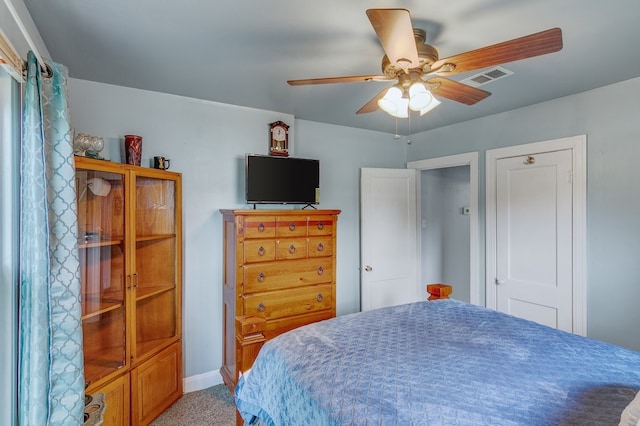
[609,118]
[206,141]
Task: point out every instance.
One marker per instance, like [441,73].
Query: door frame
[578,146]
[466,159]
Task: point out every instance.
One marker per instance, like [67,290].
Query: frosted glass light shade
[403,110]
[421,99]
[389,102]
[419,96]
[434,103]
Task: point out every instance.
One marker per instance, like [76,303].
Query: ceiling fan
[418,70]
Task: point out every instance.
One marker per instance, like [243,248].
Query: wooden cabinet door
[102,251]
[156,384]
[155,254]
[116,396]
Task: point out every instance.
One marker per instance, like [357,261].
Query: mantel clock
[279,139]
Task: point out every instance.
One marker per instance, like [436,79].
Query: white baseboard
[201,381]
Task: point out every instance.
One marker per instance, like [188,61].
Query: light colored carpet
[211,406]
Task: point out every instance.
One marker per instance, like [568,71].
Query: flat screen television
[281,180]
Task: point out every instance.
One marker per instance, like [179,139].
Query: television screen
[282,180]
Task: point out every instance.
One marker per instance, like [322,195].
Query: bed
[441,362]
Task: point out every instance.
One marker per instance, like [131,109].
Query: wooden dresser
[279,274]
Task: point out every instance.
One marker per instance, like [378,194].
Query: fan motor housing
[427,55]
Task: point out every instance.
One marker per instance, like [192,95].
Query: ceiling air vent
[488,76]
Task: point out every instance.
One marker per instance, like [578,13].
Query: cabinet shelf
[150,291]
[95,304]
[96,308]
[102,243]
[98,364]
[144,347]
[141,238]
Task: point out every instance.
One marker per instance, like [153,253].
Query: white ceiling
[242,52]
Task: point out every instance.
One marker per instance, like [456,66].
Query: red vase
[133,149]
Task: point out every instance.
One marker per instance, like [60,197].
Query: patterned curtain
[51,378]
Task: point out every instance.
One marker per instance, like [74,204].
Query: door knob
[368,268]
[500,282]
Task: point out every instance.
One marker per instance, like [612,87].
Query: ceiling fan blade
[372,105]
[395,32]
[347,79]
[537,44]
[456,91]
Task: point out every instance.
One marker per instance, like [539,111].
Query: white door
[388,238]
[534,237]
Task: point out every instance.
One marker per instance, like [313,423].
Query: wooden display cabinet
[130,251]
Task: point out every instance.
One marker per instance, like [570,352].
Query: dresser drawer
[259,227]
[294,226]
[259,251]
[292,248]
[321,225]
[287,274]
[320,247]
[280,304]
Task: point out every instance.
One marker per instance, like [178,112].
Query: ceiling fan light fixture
[411,63]
[397,104]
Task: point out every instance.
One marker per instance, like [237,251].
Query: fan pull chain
[396,136]
[409,136]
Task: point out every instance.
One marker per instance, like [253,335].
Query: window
[9,228]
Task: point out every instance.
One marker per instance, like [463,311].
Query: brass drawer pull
[320,246]
[261,251]
[292,226]
[319,298]
[261,307]
[261,227]
[320,225]
[292,249]
[320,270]
[261,277]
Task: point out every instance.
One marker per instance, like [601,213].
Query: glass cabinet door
[155,272]
[101,233]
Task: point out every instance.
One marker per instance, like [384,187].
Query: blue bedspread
[437,363]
